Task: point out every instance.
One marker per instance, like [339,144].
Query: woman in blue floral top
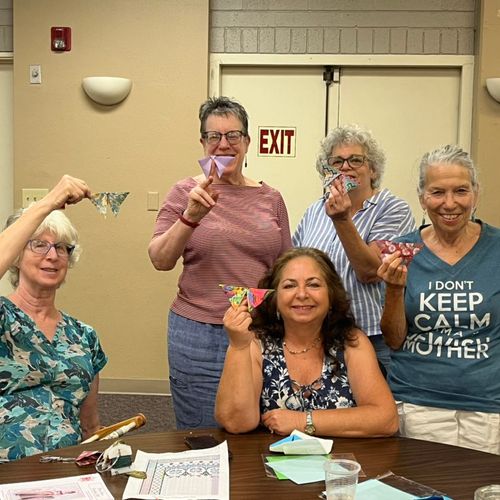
[299,361]
[49,361]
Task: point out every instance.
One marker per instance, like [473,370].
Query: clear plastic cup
[491,492]
[341,478]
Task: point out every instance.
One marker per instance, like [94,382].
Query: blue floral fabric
[43,383]
[279,391]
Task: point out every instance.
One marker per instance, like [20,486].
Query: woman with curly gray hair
[345,224]
[50,361]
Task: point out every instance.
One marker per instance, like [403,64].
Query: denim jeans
[196,353]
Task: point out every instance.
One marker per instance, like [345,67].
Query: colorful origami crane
[236,294]
[330,174]
[106,200]
[408,250]
[221,162]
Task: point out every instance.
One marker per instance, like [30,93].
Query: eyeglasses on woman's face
[354,161]
[233,137]
[42,247]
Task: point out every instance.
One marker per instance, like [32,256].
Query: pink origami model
[408,250]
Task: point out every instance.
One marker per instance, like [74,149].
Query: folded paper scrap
[299,443]
[408,250]
[330,174]
[221,162]
[236,294]
[106,199]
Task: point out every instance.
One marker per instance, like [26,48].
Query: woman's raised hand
[338,204]
[202,198]
[236,323]
[392,271]
[69,190]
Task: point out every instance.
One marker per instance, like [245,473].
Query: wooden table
[455,471]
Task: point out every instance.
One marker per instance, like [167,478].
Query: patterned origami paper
[221,162]
[330,174]
[106,200]
[408,250]
[236,294]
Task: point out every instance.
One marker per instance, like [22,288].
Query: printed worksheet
[86,487]
[193,474]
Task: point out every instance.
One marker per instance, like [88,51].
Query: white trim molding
[463,62]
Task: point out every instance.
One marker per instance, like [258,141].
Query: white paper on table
[194,474]
[85,487]
[299,443]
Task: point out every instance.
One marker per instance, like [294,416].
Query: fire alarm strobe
[60,38]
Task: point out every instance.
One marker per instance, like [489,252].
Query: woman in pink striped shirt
[227,229]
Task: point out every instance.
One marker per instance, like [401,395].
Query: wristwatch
[309,428]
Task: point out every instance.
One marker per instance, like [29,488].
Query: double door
[410,110]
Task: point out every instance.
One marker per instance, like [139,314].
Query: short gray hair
[223,106]
[353,135]
[56,223]
[449,154]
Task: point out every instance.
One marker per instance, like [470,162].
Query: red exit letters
[276,141]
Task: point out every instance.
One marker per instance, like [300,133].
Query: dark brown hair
[339,322]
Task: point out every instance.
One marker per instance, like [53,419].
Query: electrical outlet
[32,195]
[152,201]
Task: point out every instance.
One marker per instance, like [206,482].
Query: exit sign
[276,141]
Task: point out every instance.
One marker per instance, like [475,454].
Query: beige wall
[144,144]
[486,129]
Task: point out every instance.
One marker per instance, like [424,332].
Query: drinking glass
[341,478]
[490,492]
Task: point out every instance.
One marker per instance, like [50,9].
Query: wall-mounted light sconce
[493,86]
[107,90]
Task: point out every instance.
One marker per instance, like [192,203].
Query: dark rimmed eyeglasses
[354,161]
[42,247]
[233,136]
[302,393]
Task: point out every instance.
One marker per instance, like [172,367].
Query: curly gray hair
[449,154]
[353,135]
[56,223]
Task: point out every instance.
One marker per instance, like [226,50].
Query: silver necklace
[314,343]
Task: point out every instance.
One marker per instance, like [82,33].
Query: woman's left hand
[338,204]
[283,422]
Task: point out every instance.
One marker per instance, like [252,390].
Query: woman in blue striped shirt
[346,222]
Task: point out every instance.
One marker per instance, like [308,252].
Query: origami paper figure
[408,250]
[330,174]
[236,294]
[221,162]
[106,200]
